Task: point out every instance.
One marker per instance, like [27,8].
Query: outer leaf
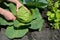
[18,24]
[5,22]
[12,8]
[38,22]
[13,33]
[34,16]
[35,3]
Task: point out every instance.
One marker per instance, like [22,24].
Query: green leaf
[54,9]
[15,33]
[38,22]
[5,22]
[19,24]
[49,13]
[58,14]
[36,3]
[50,3]
[56,25]
[33,14]
[56,4]
[12,7]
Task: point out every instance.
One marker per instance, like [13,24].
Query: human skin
[7,14]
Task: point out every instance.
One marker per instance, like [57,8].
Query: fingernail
[16,10]
[14,18]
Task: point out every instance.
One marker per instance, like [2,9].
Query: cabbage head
[24,15]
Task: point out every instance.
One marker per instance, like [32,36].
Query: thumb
[18,6]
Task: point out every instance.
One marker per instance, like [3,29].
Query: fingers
[8,15]
[18,5]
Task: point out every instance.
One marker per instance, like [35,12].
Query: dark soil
[47,33]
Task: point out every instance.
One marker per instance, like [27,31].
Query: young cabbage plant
[24,15]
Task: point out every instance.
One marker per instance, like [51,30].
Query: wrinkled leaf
[19,24]
[56,25]
[12,8]
[5,22]
[38,22]
[13,33]
[35,3]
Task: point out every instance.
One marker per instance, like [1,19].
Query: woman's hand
[8,15]
[18,4]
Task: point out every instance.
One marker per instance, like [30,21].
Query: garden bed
[47,33]
[32,26]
